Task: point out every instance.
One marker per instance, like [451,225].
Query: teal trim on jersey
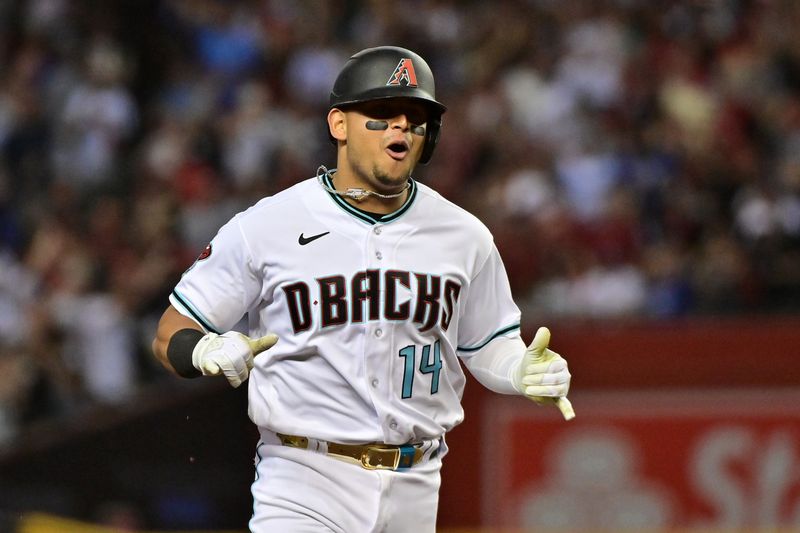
[367,217]
[197,315]
[487,341]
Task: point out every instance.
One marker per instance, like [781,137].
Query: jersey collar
[364,216]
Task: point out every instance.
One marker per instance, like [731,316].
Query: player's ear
[336,124]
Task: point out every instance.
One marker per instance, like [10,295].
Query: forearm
[171,322]
[183,347]
[495,364]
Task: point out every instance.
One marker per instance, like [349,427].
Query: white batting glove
[543,375]
[231,354]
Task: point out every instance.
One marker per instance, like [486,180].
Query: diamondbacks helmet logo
[403,74]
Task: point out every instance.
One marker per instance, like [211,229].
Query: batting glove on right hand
[543,375]
[231,354]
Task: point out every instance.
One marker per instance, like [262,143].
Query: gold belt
[374,456]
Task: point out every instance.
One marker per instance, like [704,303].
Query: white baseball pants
[303,491]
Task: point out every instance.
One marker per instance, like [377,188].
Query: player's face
[385,140]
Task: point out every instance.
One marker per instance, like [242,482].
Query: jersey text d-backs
[362,297]
[372,315]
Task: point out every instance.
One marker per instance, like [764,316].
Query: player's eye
[378,111]
[416,117]
[385,111]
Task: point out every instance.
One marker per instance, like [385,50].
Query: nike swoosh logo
[305,240]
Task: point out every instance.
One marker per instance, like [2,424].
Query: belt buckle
[367,455]
[403,457]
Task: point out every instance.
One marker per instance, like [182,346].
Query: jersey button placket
[377,230]
[377,331]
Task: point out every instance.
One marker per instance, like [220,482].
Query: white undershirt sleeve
[495,364]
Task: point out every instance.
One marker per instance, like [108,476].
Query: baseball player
[377,288]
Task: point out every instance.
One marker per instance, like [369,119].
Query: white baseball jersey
[372,314]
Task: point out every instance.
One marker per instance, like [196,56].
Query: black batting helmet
[390,72]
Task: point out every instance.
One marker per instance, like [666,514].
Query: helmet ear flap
[431,138]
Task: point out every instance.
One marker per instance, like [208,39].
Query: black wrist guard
[179,352]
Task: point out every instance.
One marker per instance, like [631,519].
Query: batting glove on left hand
[543,375]
[231,354]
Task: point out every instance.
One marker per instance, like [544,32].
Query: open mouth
[397,150]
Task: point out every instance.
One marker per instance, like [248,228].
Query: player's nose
[400,121]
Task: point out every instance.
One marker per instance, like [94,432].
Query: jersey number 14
[427,365]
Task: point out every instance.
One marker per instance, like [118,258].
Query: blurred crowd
[633,158]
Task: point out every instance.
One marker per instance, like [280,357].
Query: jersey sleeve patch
[507,329]
[205,254]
